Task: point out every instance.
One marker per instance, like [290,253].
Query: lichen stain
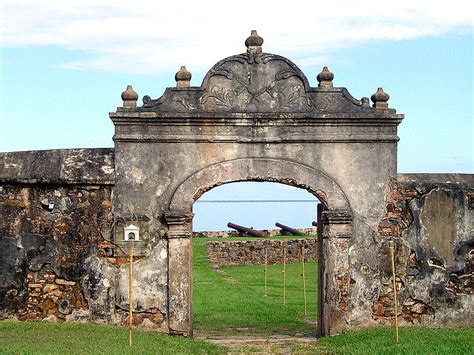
[138,175]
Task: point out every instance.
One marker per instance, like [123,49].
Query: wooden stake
[266,271]
[392,257]
[130,310]
[284,275]
[304,278]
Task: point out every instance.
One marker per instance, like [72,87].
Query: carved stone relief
[255,83]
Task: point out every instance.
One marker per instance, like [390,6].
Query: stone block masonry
[430,218]
[58,260]
[47,231]
[232,233]
[252,252]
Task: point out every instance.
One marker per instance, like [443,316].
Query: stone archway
[333,247]
[255,117]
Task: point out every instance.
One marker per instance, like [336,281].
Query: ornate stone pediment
[255,82]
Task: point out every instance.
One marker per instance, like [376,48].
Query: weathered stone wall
[55,209]
[47,233]
[60,166]
[232,233]
[57,256]
[431,219]
[252,252]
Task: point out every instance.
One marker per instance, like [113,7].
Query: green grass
[231,300]
[47,338]
[251,278]
[412,341]
[382,341]
[68,338]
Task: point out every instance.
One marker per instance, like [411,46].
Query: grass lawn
[231,300]
[412,341]
[68,338]
[47,338]
[381,341]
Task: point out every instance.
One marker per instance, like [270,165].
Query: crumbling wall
[431,219]
[233,233]
[58,260]
[252,252]
[47,232]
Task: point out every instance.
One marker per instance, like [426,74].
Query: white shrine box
[131,233]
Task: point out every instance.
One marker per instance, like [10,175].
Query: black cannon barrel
[245,230]
[314,223]
[289,229]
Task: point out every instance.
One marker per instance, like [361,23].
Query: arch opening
[237,278]
[256,204]
[337,221]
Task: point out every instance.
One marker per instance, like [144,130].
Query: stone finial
[325,78]
[380,99]
[129,97]
[183,78]
[254,42]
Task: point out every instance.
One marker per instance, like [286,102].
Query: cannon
[289,230]
[248,231]
[314,223]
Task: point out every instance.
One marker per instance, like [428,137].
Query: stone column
[180,272]
[334,275]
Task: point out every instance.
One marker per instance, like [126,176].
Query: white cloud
[142,36]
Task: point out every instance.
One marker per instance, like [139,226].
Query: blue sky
[64,65]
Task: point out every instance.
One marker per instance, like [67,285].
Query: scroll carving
[255,83]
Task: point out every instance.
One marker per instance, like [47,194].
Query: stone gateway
[254,118]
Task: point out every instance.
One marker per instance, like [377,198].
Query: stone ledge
[91,166]
[462,180]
